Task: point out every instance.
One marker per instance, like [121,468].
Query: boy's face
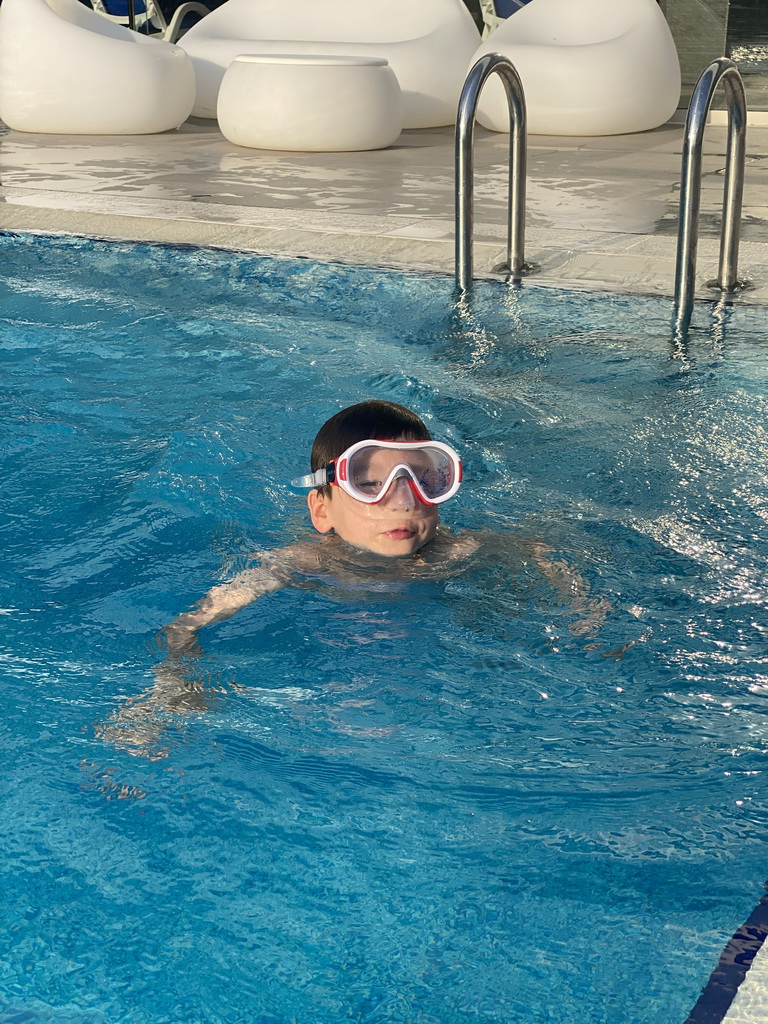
[397,525]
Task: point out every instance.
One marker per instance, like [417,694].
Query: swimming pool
[409,800]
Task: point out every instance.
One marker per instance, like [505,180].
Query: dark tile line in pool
[735,960]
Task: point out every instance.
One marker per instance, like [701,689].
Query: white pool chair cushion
[64,69]
[428,44]
[588,67]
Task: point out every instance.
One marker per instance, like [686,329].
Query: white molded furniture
[64,69]
[588,67]
[428,44]
[310,103]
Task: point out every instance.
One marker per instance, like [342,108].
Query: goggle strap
[318,479]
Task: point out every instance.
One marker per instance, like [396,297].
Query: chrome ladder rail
[491,63]
[725,71]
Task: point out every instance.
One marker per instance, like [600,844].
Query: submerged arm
[179,687]
[220,603]
[590,612]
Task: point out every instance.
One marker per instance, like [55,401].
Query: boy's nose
[400,494]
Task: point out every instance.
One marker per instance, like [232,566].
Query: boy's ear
[319,511]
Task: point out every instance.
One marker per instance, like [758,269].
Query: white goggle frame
[337,472]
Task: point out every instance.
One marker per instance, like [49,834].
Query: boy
[375,488]
[360,510]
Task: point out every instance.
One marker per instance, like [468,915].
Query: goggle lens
[371,469]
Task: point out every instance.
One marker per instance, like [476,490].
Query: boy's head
[399,523]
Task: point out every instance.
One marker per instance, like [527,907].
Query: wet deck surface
[601,213]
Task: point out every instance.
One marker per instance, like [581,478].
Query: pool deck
[601,212]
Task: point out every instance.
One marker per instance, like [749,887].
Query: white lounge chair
[588,67]
[66,70]
[150,18]
[428,44]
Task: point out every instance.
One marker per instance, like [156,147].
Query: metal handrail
[725,71]
[491,63]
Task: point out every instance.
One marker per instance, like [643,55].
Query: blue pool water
[408,799]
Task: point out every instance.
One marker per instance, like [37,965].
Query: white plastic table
[309,103]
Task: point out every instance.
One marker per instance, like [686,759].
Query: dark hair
[381,421]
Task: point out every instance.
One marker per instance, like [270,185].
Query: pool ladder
[490,64]
[725,71]
[721,70]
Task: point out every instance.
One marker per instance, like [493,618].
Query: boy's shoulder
[455,546]
[321,555]
[316,554]
[302,556]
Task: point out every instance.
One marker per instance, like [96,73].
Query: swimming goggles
[367,469]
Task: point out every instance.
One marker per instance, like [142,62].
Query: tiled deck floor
[602,212]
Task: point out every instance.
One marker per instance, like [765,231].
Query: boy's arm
[179,687]
[221,603]
[273,573]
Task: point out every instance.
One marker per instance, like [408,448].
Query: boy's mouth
[400,533]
